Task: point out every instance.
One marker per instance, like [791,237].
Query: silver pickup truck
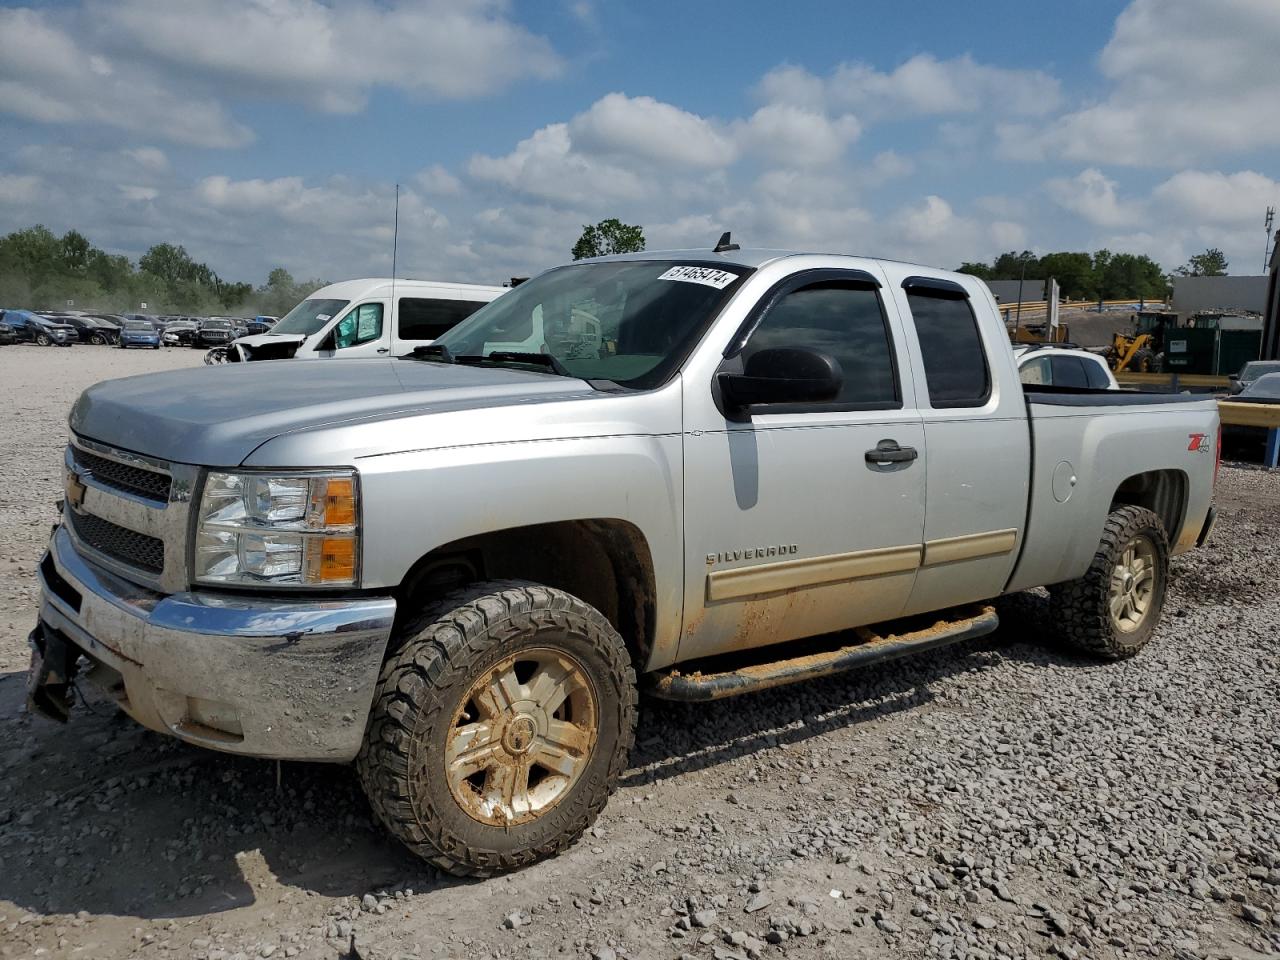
[694,473]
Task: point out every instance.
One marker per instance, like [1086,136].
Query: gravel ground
[995,799]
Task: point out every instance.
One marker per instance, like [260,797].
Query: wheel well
[605,563]
[1163,492]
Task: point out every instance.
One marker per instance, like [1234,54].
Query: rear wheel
[1113,609]
[500,728]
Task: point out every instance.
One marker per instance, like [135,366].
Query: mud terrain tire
[1084,609]
[427,694]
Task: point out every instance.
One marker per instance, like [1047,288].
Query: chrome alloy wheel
[522,737]
[1133,585]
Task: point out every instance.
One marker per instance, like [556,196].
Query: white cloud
[47,76]
[331,56]
[16,189]
[151,158]
[921,85]
[644,128]
[545,165]
[1093,196]
[800,136]
[136,194]
[436,179]
[1187,81]
[1219,198]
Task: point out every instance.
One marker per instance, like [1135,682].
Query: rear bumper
[287,680]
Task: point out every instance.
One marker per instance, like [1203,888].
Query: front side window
[360,325]
[632,322]
[955,365]
[842,320]
[420,318]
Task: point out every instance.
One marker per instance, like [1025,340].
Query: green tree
[1121,275]
[1211,263]
[1074,273]
[608,237]
[980,270]
[74,250]
[1009,266]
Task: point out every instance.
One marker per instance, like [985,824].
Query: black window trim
[940,289]
[415,295]
[790,284]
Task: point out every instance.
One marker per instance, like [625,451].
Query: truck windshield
[632,322]
[308,317]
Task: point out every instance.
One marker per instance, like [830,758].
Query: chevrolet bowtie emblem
[75,490]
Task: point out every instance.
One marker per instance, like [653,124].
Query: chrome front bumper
[290,680]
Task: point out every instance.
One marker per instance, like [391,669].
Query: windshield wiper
[517,356]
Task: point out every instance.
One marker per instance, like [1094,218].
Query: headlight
[267,529]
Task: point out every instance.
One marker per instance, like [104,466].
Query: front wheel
[43,340]
[98,339]
[1113,609]
[501,725]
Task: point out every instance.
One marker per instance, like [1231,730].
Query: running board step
[726,676]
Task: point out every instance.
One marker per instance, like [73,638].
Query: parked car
[214,332]
[7,334]
[1049,365]
[139,333]
[91,329]
[1250,373]
[32,328]
[694,473]
[259,325]
[356,318]
[179,333]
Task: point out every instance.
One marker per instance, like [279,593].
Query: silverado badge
[75,490]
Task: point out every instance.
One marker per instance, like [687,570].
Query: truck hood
[266,346]
[217,415]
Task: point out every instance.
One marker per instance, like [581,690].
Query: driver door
[360,332]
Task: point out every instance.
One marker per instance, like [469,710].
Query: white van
[356,318]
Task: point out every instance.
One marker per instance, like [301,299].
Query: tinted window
[1069,372]
[422,319]
[1097,375]
[360,325]
[843,321]
[955,365]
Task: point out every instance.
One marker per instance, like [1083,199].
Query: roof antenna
[725,245]
[395,244]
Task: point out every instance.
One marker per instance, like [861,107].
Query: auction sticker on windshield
[708,276]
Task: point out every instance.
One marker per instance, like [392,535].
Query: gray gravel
[996,799]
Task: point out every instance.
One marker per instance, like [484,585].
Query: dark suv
[90,329]
[214,333]
[30,327]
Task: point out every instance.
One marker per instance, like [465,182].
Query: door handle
[888,451]
[384,349]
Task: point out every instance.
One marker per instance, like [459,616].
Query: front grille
[119,543]
[122,476]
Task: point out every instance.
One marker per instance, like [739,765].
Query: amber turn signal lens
[340,503]
[337,560]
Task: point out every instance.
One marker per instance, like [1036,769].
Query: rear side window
[1069,372]
[955,365]
[423,319]
[842,320]
[1097,375]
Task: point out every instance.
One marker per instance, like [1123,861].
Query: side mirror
[783,375]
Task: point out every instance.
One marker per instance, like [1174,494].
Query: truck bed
[1094,449]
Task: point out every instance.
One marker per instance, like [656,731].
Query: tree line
[43,271]
[1102,275]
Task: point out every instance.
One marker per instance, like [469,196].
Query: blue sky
[271,132]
